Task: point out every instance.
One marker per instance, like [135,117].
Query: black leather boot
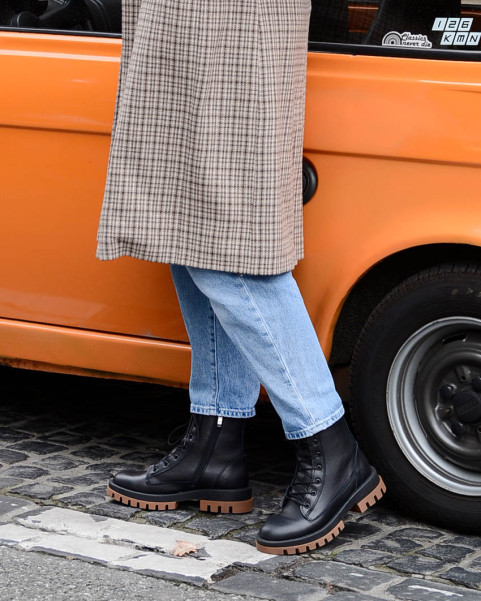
[207,465]
[332,477]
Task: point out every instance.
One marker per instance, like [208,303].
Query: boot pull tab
[220,419]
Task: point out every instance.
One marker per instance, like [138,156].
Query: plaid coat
[205,165]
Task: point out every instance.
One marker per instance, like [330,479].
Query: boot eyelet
[318,480]
[176,457]
[312,493]
[319,467]
[307,505]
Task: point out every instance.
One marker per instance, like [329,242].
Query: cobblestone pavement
[62,437]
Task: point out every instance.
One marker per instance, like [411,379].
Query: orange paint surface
[396,144]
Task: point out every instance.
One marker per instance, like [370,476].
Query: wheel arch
[379,280]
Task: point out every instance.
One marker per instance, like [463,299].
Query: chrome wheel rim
[424,411]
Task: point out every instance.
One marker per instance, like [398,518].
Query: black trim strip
[79,32]
[393,51]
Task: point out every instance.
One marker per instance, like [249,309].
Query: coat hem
[275,268]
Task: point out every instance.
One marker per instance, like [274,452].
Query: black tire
[416,400]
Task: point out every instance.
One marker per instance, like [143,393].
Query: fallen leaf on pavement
[184,548]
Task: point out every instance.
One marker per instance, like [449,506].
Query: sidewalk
[62,437]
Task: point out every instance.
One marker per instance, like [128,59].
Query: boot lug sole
[360,507]
[207,505]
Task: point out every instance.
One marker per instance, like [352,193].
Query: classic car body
[393,164]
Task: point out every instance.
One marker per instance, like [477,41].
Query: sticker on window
[406,40]
[457,32]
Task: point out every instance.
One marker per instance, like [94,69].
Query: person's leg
[221,381]
[266,319]
[208,464]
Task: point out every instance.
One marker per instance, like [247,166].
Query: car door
[59,63]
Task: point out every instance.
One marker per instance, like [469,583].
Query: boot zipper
[214,435]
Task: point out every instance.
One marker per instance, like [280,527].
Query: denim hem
[222,412]
[323,425]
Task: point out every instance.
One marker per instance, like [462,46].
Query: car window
[383,26]
[95,16]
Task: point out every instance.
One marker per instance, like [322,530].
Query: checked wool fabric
[205,165]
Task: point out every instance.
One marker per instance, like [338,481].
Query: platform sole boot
[207,465]
[332,477]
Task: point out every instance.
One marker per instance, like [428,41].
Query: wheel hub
[434,402]
[463,406]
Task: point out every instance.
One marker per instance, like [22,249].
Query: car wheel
[416,394]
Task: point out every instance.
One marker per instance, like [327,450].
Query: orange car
[392,274]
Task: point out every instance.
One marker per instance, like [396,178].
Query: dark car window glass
[384,25]
[95,16]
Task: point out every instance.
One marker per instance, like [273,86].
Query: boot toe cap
[277,529]
[130,480]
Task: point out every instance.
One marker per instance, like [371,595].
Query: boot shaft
[210,454]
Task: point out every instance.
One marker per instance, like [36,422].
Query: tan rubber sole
[360,507]
[205,504]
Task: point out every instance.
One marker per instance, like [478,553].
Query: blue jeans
[246,330]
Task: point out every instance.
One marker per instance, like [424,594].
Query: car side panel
[56,109]
[396,144]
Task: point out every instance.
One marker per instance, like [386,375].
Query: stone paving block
[268,503]
[168,518]
[186,570]
[277,564]
[354,530]
[10,506]
[61,462]
[386,516]
[7,483]
[419,534]
[12,534]
[447,552]
[72,546]
[420,590]
[110,468]
[416,564]
[94,452]
[363,557]
[214,527]
[256,516]
[332,548]
[8,434]
[347,596]
[392,544]
[246,535]
[37,446]
[82,480]
[469,578]
[9,456]
[162,540]
[83,499]
[348,577]
[476,563]
[114,510]
[26,472]
[41,490]
[267,587]
[466,541]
